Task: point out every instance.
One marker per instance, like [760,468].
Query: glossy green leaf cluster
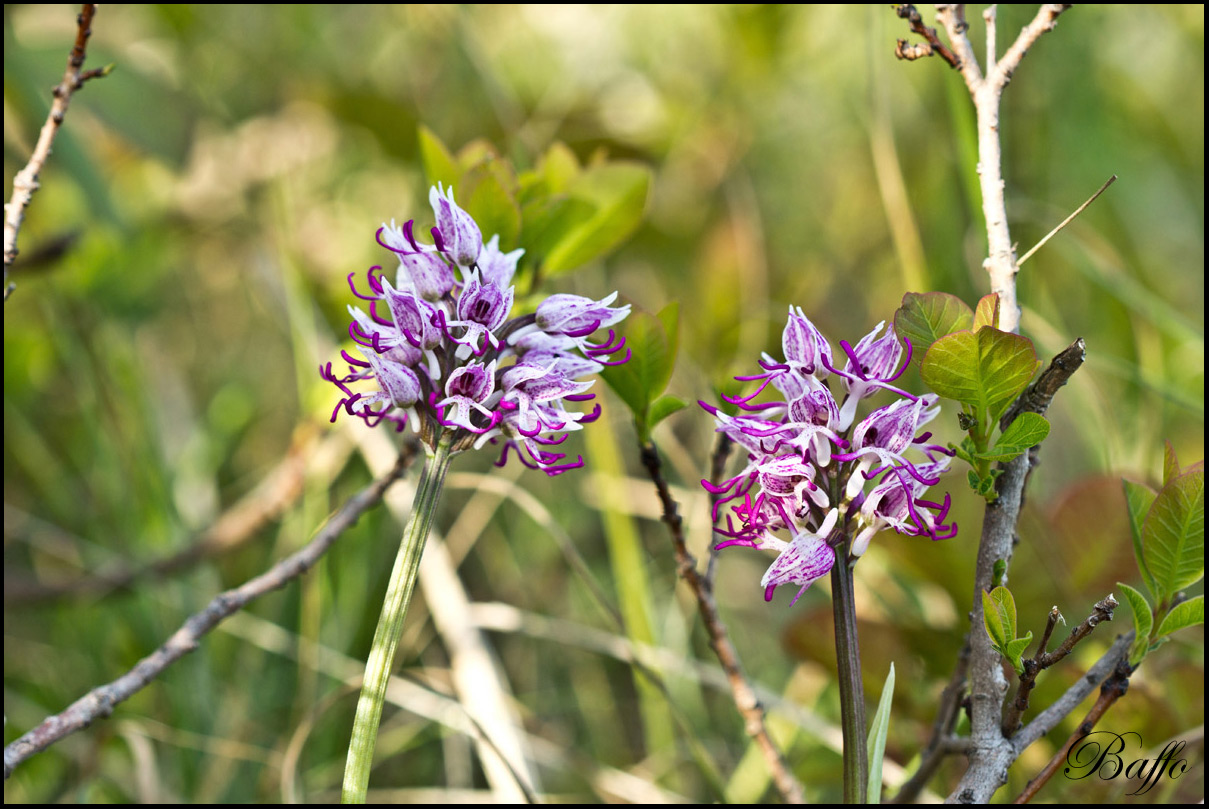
[1168,529]
[964,357]
[563,213]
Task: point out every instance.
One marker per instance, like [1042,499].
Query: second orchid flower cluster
[813,471]
[446,358]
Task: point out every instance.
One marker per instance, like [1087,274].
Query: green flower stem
[390,625]
[852,692]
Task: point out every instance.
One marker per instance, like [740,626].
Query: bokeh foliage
[183,271]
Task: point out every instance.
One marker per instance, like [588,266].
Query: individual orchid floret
[897,503]
[885,434]
[414,317]
[803,560]
[428,273]
[469,389]
[871,367]
[806,350]
[399,383]
[811,419]
[482,308]
[577,316]
[456,234]
[530,394]
[811,473]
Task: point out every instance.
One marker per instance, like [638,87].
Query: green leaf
[618,191]
[439,164]
[999,615]
[488,193]
[1171,464]
[1138,499]
[669,316]
[663,407]
[1028,430]
[1014,650]
[559,167]
[877,738]
[1143,622]
[986,369]
[997,572]
[545,220]
[974,481]
[477,151]
[925,318]
[1173,534]
[986,313]
[965,451]
[1185,614]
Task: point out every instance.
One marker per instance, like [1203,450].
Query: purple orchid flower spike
[446,358]
[439,353]
[457,235]
[808,466]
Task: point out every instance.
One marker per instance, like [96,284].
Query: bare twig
[1037,397]
[1001,264]
[100,702]
[1043,660]
[990,770]
[1112,690]
[1051,621]
[1066,221]
[991,751]
[933,45]
[741,688]
[25,183]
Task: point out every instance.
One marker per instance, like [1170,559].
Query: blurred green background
[182,276]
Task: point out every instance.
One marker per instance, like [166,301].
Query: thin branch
[100,702]
[991,751]
[989,15]
[933,45]
[1051,621]
[1049,718]
[741,688]
[952,17]
[1045,21]
[1037,397]
[1044,660]
[1066,221]
[25,183]
[1001,264]
[1112,690]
